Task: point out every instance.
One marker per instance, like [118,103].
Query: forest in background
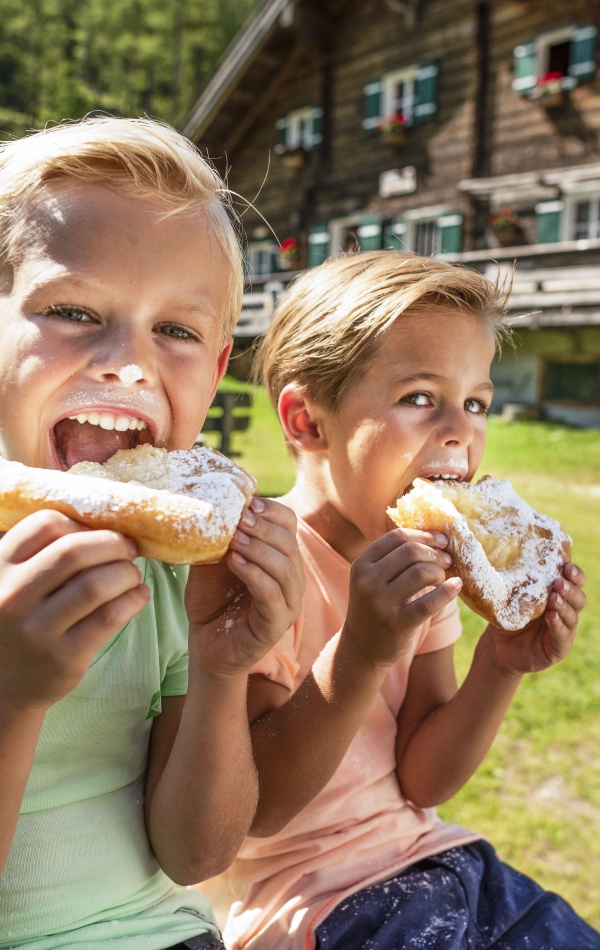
[60,59]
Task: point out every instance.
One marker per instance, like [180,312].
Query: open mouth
[95,436]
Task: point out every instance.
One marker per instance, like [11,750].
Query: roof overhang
[235,61]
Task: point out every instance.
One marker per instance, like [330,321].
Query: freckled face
[106,282]
[420,410]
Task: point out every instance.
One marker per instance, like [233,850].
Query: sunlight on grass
[537,795]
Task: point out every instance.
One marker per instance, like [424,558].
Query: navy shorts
[462,899]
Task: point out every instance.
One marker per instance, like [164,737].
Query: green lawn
[537,795]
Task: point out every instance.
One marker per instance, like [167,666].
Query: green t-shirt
[81,872]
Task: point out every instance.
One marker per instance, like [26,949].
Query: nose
[123,358]
[455,429]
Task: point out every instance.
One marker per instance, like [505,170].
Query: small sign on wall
[398,181]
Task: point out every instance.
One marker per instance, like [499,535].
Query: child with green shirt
[119,778]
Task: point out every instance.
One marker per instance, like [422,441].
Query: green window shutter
[549,218]
[425,92]
[372,104]
[282,131]
[394,235]
[582,63]
[450,226]
[318,244]
[525,67]
[369,233]
[316,131]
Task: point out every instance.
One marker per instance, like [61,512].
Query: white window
[556,60]
[399,93]
[260,257]
[583,217]
[300,129]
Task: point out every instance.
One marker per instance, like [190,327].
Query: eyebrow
[435,378]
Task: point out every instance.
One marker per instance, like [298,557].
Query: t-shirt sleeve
[167,583]
[443,629]
[280,664]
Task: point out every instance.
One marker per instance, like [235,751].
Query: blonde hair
[325,331]
[135,156]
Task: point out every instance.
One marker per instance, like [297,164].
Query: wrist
[485,652]
[352,648]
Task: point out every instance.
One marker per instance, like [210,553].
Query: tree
[60,59]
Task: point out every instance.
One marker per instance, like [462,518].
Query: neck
[315,500]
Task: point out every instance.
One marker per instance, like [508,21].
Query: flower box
[393,129]
[288,255]
[293,157]
[549,90]
[507,228]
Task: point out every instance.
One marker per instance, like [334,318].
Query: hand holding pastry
[386,601]
[547,639]
[240,608]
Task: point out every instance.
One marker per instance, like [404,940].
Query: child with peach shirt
[379,366]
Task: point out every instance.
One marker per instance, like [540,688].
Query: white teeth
[106,421]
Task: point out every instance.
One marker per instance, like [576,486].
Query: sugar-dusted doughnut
[507,554]
[180,507]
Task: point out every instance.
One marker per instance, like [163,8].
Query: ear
[221,367]
[301,419]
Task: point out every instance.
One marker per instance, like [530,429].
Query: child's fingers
[398,536]
[86,593]
[558,638]
[418,611]
[565,611]
[267,594]
[574,574]
[413,580]
[401,558]
[572,594]
[35,532]
[275,512]
[255,527]
[100,625]
[70,554]
[287,574]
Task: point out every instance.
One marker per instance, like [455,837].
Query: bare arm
[298,746]
[201,753]
[444,734]
[202,784]
[64,591]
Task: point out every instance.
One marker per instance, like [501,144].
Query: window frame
[543,43]
[390,81]
[261,246]
[567,358]
[570,202]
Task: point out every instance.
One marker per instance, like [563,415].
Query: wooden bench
[225,422]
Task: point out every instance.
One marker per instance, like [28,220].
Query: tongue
[83,442]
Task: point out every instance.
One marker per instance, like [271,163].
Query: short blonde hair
[325,331]
[135,156]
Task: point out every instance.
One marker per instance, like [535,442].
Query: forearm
[19,733]
[449,745]
[298,747]
[204,801]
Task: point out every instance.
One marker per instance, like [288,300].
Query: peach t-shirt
[359,829]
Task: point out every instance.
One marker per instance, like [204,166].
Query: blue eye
[73,314]
[176,331]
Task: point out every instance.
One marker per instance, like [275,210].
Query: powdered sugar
[130,374]
[509,554]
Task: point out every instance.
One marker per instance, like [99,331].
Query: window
[360,232]
[583,222]
[260,255]
[572,381]
[300,129]
[425,232]
[410,92]
[563,58]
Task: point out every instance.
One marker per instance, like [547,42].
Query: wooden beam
[265,100]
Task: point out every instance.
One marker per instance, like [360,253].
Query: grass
[537,795]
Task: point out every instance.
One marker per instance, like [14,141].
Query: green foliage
[60,59]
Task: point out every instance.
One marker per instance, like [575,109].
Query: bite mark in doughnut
[179,507]
[507,554]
